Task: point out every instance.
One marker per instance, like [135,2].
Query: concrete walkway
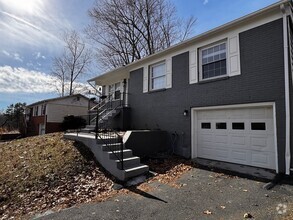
[226,197]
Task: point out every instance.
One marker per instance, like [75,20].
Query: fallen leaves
[169,170]
[247,215]
[48,172]
[207,212]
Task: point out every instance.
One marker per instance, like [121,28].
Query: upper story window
[158,76]
[213,62]
[44,109]
[36,110]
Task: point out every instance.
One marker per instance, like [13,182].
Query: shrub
[73,122]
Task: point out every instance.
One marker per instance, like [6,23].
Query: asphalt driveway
[203,195]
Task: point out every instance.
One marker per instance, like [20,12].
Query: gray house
[224,95]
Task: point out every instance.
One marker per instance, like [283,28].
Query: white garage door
[242,135]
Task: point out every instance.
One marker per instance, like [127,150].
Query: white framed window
[157,76]
[114,90]
[36,110]
[213,61]
[43,112]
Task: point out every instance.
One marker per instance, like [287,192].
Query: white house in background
[46,116]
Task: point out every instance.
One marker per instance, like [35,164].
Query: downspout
[287,97]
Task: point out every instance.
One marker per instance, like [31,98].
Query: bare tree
[59,71]
[73,63]
[128,30]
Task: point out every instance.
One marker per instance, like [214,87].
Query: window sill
[213,79]
[157,90]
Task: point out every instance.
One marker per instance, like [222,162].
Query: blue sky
[30,32]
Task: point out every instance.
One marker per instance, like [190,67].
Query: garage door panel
[205,138]
[244,142]
[221,138]
[260,158]
[239,156]
[258,142]
[238,140]
[259,113]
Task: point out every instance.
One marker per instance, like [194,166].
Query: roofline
[210,32]
[54,99]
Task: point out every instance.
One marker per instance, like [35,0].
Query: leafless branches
[73,63]
[127,30]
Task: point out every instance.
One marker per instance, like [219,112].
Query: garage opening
[243,135]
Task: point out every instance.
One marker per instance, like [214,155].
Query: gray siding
[261,80]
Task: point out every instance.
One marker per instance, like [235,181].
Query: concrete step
[128,162]
[136,171]
[126,154]
[91,126]
[87,130]
[111,147]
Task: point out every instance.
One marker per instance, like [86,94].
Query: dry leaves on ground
[47,172]
[169,170]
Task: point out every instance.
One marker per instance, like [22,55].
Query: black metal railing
[99,120]
[110,138]
[104,131]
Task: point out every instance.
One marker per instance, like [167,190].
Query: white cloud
[20,80]
[13,80]
[6,53]
[14,56]
[38,55]
[205,2]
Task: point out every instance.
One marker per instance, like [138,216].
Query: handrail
[111,139]
[103,131]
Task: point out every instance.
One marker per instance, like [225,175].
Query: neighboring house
[223,95]
[46,116]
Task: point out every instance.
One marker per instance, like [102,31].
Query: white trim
[194,111]
[150,72]
[168,71]
[200,51]
[193,76]
[287,96]
[145,83]
[275,136]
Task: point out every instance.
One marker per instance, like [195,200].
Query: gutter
[287,97]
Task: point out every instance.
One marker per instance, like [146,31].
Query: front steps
[103,119]
[131,165]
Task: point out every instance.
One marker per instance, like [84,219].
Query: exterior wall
[56,110]
[33,125]
[53,127]
[261,80]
